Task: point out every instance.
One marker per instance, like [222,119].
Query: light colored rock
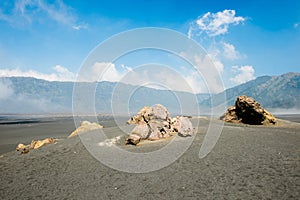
[183,126]
[84,127]
[41,143]
[150,113]
[160,112]
[143,116]
[35,144]
[157,130]
[142,129]
[133,139]
[154,123]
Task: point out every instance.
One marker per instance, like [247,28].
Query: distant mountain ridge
[30,95]
[271,91]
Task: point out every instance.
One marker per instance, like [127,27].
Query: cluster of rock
[35,144]
[247,110]
[84,127]
[154,123]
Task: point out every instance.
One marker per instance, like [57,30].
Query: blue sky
[246,39]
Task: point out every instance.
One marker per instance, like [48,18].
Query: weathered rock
[142,129]
[183,126]
[154,123]
[133,139]
[230,115]
[269,118]
[41,143]
[248,111]
[84,127]
[160,112]
[158,130]
[35,144]
[141,117]
[150,113]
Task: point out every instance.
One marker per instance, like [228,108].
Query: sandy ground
[248,162]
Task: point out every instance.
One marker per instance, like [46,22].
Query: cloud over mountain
[60,74]
[243,74]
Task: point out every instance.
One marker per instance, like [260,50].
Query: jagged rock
[248,111]
[230,115]
[84,127]
[141,130]
[133,139]
[159,129]
[154,123]
[35,144]
[182,125]
[150,113]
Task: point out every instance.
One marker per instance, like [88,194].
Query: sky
[244,39]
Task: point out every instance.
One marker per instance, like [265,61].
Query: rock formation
[248,111]
[35,144]
[182,125]
[154,123]
[84,127]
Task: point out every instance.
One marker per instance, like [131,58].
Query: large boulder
[154,123]
[248,111]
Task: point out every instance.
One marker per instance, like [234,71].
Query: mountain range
[271,91]
[30,95]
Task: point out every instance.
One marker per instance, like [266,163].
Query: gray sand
[24,130]
[248,162]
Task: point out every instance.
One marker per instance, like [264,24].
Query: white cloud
[243,74]
[205,29]
[152,75]
[215,24]
[157,77]
[58,12]
[79,27]
[25,12]
[210,68]
[101,71]
[219,65]
[230,52]
[63,74]
[110,74]
[163,77]
[6,89]
[196,83]
[60,74]
[126,67]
